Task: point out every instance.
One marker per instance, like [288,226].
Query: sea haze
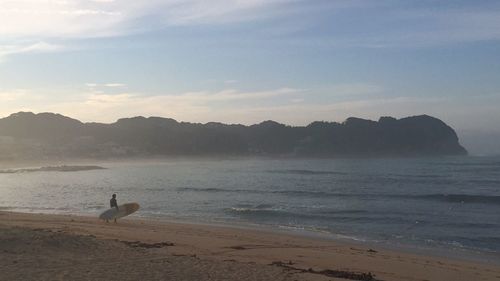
[449,203]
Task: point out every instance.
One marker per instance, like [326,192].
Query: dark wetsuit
[113,203]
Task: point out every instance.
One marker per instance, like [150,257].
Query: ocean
[450,203]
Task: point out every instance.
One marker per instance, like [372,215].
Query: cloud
[10,96]
[115,85]
[234,95]
[378,24]
[426,26]
[95,105]
[28,25]
[393,24]
[51,18]
[455,25]
[102,87]
[191,106]
[81,18]
[38,47]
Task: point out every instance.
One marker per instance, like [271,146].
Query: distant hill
[26,135]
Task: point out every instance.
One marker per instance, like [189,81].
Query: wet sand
[64,247]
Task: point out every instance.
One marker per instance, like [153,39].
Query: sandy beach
[67,247]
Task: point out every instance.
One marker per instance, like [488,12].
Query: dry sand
[62,247]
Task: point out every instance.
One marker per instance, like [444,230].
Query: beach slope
[64,247]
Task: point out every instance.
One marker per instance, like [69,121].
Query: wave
[309,193]
[252,208]
[406,176]
[482,243]
[95,206]
[485,181]
[63,168]
[452,198]
[278,214]
[407,180]
[471,164]
[263,213]
[335,212]
[305,193]
[462,198]
[153,189]
[305,172]
[248,210]
[479,170]
[215,189]
[471,225]
[308,228]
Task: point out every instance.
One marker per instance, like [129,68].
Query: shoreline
[466,254]
[262,247]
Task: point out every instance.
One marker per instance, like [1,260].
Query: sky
[246,61]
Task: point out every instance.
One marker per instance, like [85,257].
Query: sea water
[449,203]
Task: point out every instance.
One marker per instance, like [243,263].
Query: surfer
[113,203]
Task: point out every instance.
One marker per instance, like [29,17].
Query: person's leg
[107,221]
[115,220]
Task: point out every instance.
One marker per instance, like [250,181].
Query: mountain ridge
[26,135]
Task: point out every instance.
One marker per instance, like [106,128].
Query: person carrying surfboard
[116,212]
[113,203]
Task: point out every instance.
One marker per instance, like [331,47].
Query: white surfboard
[123,211]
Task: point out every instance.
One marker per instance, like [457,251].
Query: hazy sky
[244,61]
